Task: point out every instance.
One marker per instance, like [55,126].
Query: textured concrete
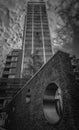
[30,116]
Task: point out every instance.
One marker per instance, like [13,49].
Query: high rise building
[36,50]
[13,64]
[9,82]
[36,39]
[45,102]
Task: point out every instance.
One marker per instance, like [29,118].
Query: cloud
[8,3]
[6,6]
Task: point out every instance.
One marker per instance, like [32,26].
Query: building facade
[9,82]
[49,101]
[46,101]
[36,50]
[36,40]
[13,65]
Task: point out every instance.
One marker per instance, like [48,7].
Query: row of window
[45,26]
[29,23]
[9,73]
[37,9]
[29,40]
[28,46]
[46,36]
[46,30]
[29,9]
[10,66]
[38,40]
[30,13]
[36,14]
[40,50]
[37,28]
[12,59]
[38,45]
[27,51]
[46,33]
[29,19]
[29,27]
[48,51]
[8,76]
[44,23]
[48,48]
[44,20]
[47,41]
[28,33]
[37,19]
[37,36]
[44,15]
[28,37]
[37,24]
[13,53]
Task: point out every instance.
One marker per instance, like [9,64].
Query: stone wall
[30,116]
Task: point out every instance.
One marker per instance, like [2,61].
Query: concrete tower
[48,101]
[36,40]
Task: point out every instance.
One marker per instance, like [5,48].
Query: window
[7,65]
[52,103]
[13,65]
[15,53]
[5,76]
[28,96]
[14,59]
[12,71]
[11,76]
[6,72]
[8,59]
[6,69]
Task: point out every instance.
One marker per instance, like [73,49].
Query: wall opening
[28,96]
[52,103]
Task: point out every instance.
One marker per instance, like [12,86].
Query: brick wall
[30,116]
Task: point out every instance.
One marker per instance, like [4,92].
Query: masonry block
[33,107]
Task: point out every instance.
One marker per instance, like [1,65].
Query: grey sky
[13,8]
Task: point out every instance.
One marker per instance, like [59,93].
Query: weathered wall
[23,116]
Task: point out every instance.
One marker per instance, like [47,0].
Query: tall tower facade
[36,40]
[47,101]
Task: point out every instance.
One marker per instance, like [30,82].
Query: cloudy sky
[12,13]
